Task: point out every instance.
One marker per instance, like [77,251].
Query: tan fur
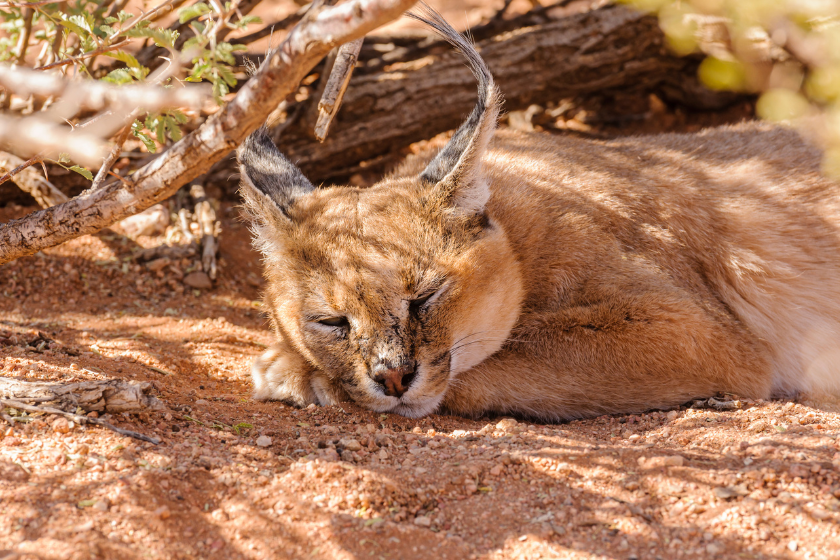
[615,277]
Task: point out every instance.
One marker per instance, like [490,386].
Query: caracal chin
[551,277]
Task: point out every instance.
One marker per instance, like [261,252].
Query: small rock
[506,424]
[62,425]
[422,521]
[661,462]
[713,549]
[497,470]
[12,472]
[347,456]
[350,444]
[793,546]
[201,401]
[101,505]
[83,527]
[157,264]
[330,454]
[728,492]
[383,455]
[198,280]
[162,512]
[151,221]
[672,415]
[263,441]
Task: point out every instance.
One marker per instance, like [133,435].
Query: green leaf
[137,132]
[63,157]
[123,56]
[72,26]
[246,21]
[227,75]
[124,16]
[162,37]
[83,172]
[107,29]
[119,76]
[187,13]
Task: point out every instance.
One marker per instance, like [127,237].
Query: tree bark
[606,50]
[319,32]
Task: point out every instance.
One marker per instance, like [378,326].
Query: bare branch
[23,41]
[342,70]
[320,31]
[29,180]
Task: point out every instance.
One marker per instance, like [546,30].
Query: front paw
[280,375]
[283,375]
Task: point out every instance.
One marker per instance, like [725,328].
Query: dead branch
[23,42]
[79,419]
[113,395]
[340,73]
[320,31]
[96,95]
[29,180]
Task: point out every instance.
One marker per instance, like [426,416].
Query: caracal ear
[456,170]
[270,182]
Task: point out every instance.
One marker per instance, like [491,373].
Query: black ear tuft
[457,168]
[265,170]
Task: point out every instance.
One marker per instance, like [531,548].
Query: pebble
[198,280]
[422,521]
[506,424]
[350,444]
[162,512]
[101,505]
[793,546]
[263,441]
[62,425]
[672,415]
[201,402]
[661,462]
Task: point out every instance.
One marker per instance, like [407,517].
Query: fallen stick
[112,395]
[340,73]
[79,419]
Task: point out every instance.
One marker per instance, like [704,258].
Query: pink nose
[395,380]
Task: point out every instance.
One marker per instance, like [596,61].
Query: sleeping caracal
[551,277]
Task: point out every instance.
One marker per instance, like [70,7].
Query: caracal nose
[394,379]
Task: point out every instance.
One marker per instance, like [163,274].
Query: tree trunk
[430,90]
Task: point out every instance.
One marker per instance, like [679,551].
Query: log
[113,395]
[608,50]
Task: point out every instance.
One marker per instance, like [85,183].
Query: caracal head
[387,292]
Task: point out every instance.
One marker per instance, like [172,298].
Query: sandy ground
[238,479]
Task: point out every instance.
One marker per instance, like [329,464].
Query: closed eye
[417,305]
[340,322]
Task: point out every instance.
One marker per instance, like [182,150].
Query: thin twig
[84,56]
[79,419]
[31,161]
[111,157]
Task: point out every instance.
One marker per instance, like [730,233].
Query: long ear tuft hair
[268,175]
[457,168]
